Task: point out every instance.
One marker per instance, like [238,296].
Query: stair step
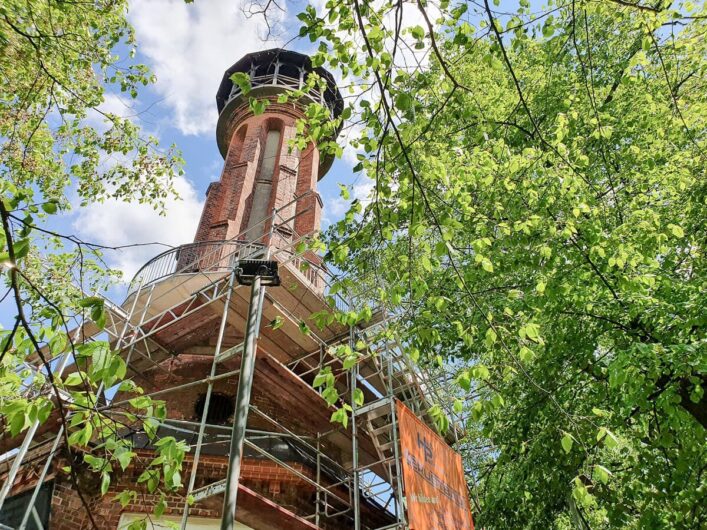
[376,431]
[209,491]
[385,447]
[230,352]
[378,412]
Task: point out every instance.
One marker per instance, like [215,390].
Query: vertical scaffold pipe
[354,440]
[207,399]
[22,451]
[30,510]
[245,385]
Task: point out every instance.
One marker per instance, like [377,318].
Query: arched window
[236,146]
[221,408]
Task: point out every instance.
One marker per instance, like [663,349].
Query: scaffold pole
[245,385]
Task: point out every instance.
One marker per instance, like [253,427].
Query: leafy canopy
[538,220]
[59,148]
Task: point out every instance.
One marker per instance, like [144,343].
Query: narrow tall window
[272,142]
[263,185]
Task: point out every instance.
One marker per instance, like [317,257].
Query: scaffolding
[182,285]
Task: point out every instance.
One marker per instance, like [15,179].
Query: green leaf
[676,230]
[350,362]
[490,339]
[340,416]
[49,207]
[96,463]
[439,417]
[304,328]
[477,411]
[330,395]
[277,322]
[105,482]
[160,507]
[324,377]
[417,32]
[44,410]
[403,101]
[141,524]
[601,473]
[73,379]
[464,380]
[140,402]
[125,497]
[98,315]
[21,248]
[82,436]
[124,458]
[567,442]
[242,80]
[608,437]
[18,423]
[258,106]
[91,301]
[358,397]
[526,354]
[497,401]
[481,372]
[531,331]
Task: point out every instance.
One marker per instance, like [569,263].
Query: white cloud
[336,207]
[124,107]
[115,223]
[119,105]
[189,46]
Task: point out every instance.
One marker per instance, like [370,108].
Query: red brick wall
[181,402]
[264,477]
[229,201]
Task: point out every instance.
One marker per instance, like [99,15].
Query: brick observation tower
[194,334]
[261,173]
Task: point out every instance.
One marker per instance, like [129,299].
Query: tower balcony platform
[176,294]
[270,73]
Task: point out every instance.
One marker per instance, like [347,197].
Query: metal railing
[222,256]
[203,256]
[284,81]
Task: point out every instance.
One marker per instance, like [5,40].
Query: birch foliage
[537,220]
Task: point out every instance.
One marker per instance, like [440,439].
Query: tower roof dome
[265,63]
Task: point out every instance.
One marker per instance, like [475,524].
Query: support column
[245,385]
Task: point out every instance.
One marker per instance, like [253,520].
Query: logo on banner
[433,478]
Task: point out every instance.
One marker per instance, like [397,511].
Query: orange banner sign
[433,478]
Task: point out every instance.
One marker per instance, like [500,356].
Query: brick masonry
[229,201]
[266,478]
